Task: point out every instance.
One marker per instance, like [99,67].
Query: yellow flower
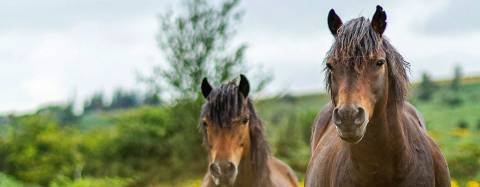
[458,132]
[301,184]
[473,184]
[454,183]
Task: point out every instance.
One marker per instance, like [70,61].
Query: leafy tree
[152,98]
[453,97]
[154,143]
[293,149]
[197,43]
[63,113]
[457,78]
[95,103]
[426,88]
[124,99]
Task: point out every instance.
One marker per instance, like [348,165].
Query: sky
[52,51]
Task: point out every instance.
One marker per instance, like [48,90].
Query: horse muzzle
[350,122]
[223,173]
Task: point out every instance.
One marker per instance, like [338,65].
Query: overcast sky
[52,50]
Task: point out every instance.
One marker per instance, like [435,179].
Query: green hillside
[162,146]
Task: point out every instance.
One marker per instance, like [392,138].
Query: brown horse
[233,134]
[369,135]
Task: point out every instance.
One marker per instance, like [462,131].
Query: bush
[90,182]
[152,144]
[9,181]
[38,150]
[293,150]
[462,125]
[452,98]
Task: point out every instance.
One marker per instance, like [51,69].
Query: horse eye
[204,124]
[329,66]
[244,120]
[380,62]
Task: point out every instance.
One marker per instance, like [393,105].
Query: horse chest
[332,167]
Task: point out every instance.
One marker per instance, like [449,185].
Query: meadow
[152,145]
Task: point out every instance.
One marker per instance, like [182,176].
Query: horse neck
[384,144]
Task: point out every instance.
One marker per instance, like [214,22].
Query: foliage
[455,85]
[152,98]
[9,181]
[452,98]
[196,43]
[63,114]
[95,103]
[426,88]
[37,150]
[90,182]
[150,145]
[294,150]
[124,99]
[465,162]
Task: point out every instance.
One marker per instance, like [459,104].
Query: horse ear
[334,22]
[206,88]
[379,20]
[244,86]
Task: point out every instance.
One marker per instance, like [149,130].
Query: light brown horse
[233,134]
[369,135]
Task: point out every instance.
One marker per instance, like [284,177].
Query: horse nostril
[359,116]
[214,169]
[349,114]
[336,117]
[222,169]
[231,168]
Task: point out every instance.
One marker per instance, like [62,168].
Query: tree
[196,43]
[452,96]
[95,103]
[426,88]
[152,99]
[124,99]
[457,77]
[63,113]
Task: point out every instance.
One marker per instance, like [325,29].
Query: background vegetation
[151,138]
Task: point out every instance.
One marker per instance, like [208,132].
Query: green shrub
[89,182]
[9,181]
[150,144]
[37,150]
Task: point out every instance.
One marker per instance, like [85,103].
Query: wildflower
[473,184]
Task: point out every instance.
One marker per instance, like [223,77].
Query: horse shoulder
[320,125]
[417,116]
[281,174]
[442,175]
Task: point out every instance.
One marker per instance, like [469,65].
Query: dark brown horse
[369,135]
[233,134]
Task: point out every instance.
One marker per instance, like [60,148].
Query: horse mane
[225,104]
[356,41]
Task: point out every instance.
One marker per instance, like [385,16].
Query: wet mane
[357,41]
[224,104]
